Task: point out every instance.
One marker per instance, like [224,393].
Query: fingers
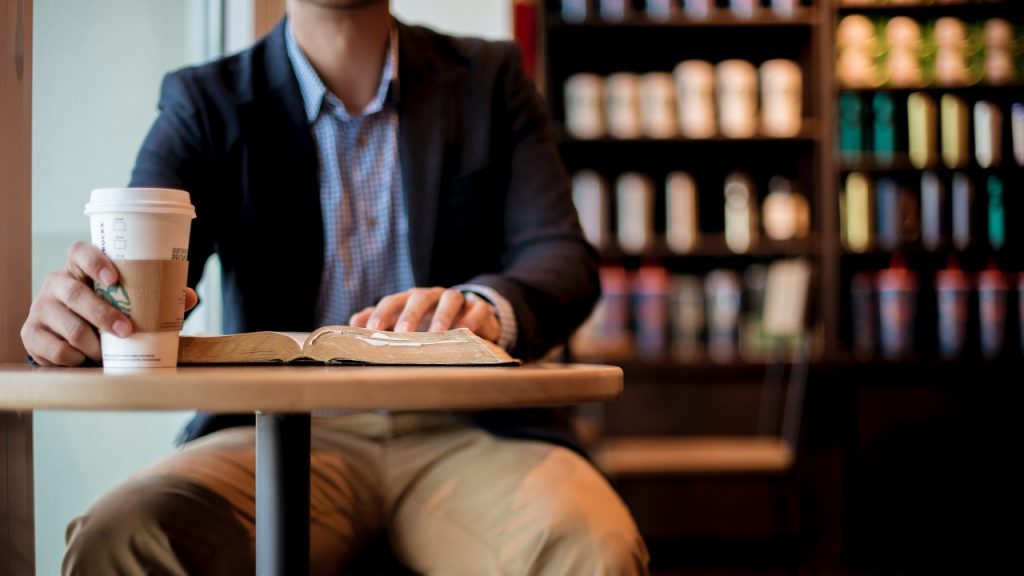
[191,299]
[77,297]
[478,316]
[386,312]
[442,308]
[61,328]
[47,349]
[86,261]
[420,304]
[359,318]
[448,308]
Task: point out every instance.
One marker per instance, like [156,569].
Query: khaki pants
[451,498]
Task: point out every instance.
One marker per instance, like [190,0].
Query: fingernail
[435,326]
[372,324]
[107,276]
[403,327]
[122,328]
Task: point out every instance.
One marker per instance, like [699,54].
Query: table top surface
[305,388]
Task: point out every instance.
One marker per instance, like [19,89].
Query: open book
[345,345]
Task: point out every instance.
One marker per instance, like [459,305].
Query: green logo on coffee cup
[117,297]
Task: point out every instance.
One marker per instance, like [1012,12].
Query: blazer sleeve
[176,154]
[549,271]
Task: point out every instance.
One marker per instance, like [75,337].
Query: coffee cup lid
[147,200]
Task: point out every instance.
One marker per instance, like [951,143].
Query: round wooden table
[283,398]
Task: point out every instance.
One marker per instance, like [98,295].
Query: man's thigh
[488,505]
[345,502]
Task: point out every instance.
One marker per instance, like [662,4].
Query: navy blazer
[487,195]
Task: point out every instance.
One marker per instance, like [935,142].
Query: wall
[98,65]
[485,18]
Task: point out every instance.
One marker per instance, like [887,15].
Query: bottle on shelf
[622,105]
[699,9]
[753,343]
[933,211]
[695,97]
[996,213]
[744,9]
[585,106]
[682,231]
[951,66]
[590,195]
[953,112]
[921,130]
[1020,308]
[855,214]
[883,128]
[634,212]
[987,133]
[993,291]
[963,211]
[781,97]
[888,214]
[722,294]
[902,60]
[786,8]
[687,301]
[740,212]
[658,105]
[857,46]
[614,10]
[1017,131]
[863,314]
[660,10]
[737,94]
[650,305]
[999,68]
[575,11]
[897,308]
[952,291]
[785,213]
[851,126]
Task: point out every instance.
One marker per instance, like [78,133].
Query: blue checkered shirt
[366,228]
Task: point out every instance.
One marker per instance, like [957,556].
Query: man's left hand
[430,309]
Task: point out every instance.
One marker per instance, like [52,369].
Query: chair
[768,454]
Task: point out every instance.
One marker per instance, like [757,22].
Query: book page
[246,348]
[347,344]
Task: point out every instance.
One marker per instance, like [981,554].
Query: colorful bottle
[952,290]
[897,309]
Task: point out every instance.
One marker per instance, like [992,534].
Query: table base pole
[282,494]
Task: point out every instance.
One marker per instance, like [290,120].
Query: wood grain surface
[305,388]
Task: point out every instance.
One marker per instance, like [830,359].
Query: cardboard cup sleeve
[150,292]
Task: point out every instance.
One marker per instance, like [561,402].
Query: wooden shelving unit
[667,395]
[640,44]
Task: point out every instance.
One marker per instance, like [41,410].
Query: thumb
[191,299]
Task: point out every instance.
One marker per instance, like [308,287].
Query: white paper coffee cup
[146,231]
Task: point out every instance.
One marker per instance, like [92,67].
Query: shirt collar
[314,92]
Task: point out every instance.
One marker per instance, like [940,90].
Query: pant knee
[154,526]
[575,545]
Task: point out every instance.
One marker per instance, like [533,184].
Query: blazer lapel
[283,172]
[421,113]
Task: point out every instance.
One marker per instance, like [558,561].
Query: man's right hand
[61,328]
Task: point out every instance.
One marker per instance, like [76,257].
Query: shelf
[712,245]
[674,372]
[902,165]
[978,90]
[806,136]
[958,9]
[670,371]
[916,250]
[720,18]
